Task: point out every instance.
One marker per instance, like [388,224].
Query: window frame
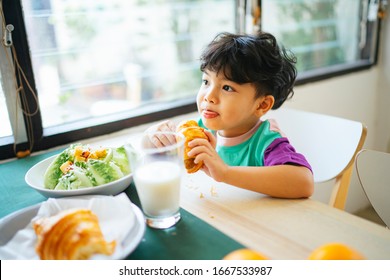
[51,137]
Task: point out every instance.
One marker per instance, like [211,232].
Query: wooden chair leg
[340,190]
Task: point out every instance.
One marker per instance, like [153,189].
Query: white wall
[382,142]
[363,96]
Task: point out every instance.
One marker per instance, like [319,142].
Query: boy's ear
[265,104]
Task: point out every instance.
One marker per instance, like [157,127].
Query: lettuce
[53,172]
[73,180]
[104,172]
[120,158]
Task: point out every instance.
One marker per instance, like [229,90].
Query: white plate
[35,175]
[18,220]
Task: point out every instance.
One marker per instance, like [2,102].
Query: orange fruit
[335,251]
[244,254]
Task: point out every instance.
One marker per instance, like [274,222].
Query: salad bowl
[35,179]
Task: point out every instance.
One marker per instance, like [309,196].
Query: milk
[158,187]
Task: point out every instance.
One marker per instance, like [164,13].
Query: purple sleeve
[280,152]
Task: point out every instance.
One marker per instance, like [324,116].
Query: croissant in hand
[191,130]
[73,234]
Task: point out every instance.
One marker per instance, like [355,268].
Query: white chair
[373,170]
[329,143]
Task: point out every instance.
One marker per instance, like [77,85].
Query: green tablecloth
[191,238]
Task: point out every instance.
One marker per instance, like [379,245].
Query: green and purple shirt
[264,145]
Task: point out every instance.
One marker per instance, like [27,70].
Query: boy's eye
[204,82]
[227,88]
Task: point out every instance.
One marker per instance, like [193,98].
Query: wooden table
[280,228]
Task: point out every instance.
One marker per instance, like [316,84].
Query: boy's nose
[210,96]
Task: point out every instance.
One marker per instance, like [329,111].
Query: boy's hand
[162,140]
[204,150]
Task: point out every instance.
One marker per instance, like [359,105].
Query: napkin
[116,218]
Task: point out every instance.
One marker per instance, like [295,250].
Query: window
[99,66]
[327,36]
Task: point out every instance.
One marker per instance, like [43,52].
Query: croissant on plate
[191,130]
[72,234]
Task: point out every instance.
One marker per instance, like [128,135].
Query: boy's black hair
[253,59]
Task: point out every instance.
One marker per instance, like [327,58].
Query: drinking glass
[158,173]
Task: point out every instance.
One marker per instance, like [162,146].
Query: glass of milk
[158,170]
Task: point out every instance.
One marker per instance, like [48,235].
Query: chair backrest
[329,143]
[373,170]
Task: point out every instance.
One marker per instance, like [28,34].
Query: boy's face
[226,106]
